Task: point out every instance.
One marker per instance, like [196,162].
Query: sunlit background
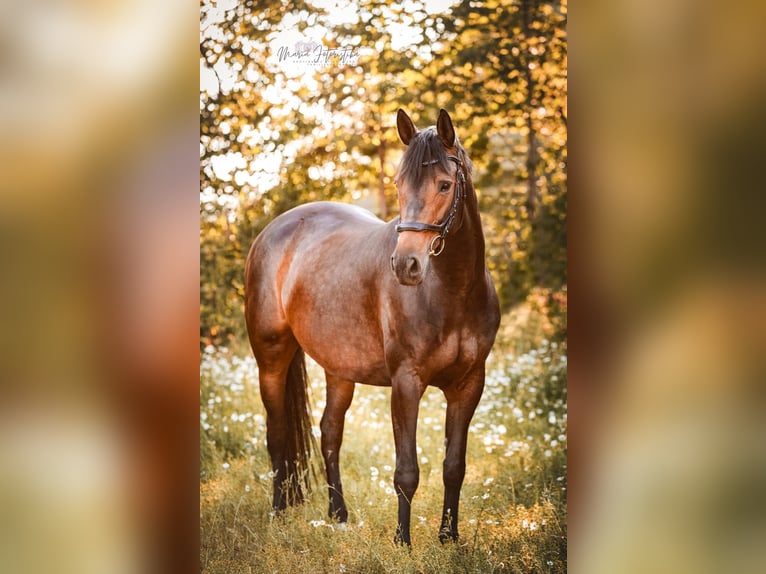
[298,103]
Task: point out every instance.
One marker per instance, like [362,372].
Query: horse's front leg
[462,399]
[406,390]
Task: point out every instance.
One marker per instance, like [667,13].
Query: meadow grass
[513,501]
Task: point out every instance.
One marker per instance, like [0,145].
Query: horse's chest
[451,355]
[442,346]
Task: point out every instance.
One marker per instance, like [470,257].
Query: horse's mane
[424,148]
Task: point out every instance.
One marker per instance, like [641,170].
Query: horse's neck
[463,259]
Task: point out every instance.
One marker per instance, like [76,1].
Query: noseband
[442,229]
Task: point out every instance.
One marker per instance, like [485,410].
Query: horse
[405,304]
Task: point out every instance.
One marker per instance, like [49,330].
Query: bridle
[442,229]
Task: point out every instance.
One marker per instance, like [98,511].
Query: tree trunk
[382,203]
[532,157]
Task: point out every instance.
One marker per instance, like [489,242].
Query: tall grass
[513,501]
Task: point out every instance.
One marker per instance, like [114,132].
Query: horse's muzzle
[409,269]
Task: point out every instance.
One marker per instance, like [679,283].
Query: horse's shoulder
[482,315]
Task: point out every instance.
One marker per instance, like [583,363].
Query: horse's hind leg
[273,366]
[339,395]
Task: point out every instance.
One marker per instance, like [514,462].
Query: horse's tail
[300,438]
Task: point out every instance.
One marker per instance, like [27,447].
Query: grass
[513,501]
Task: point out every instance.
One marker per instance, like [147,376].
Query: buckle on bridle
[437,245]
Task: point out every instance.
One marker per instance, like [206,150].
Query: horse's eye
[444,186]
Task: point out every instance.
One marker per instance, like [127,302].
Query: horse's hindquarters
[313,276]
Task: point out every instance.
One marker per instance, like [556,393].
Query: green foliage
[513,501]
[498,66]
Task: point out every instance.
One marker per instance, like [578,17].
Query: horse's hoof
[445,537]
[400,541]
[339,515]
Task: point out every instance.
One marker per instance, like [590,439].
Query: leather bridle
[442,229]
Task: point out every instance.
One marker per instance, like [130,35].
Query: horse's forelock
[424,148]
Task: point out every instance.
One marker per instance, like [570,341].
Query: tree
[512,57]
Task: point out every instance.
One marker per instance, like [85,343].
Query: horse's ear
[406,128]
[445,130]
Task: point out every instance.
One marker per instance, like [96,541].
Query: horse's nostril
[408,269]
[413,266]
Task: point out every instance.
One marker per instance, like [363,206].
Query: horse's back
[310,223]
[315,220]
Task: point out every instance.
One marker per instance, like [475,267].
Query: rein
[442,229]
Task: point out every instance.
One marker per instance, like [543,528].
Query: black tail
[300,439]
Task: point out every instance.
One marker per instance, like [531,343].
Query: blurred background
[668,315]
[98,295]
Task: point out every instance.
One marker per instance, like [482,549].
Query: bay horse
[406,304]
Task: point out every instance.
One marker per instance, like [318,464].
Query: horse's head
[431,185]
